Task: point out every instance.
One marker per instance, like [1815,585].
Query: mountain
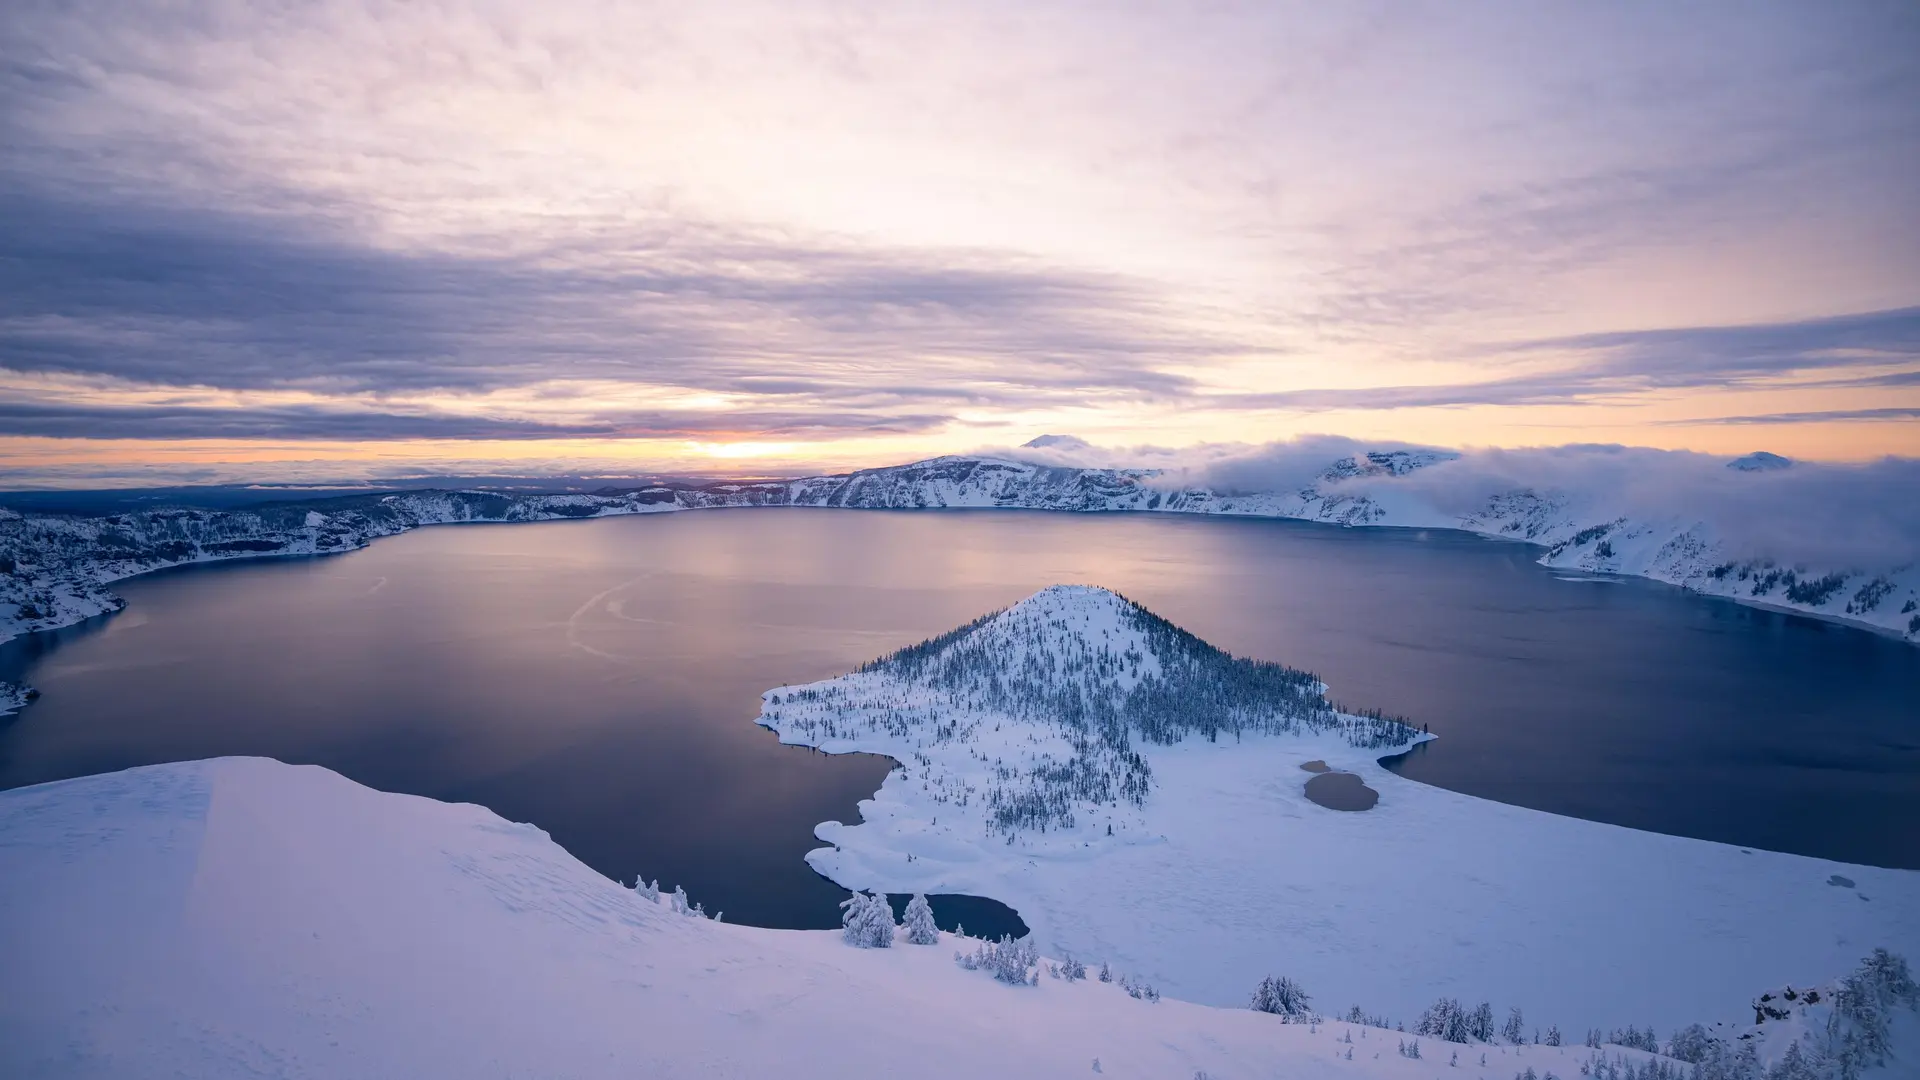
[1760,461]
[1141,797]
[54,567]
[241,917]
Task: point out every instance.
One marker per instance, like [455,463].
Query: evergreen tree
[1480,1024]
[1690,1044]
[866,922]
[1281,996]
[1515,1030]
[919,922]
[1553,1035]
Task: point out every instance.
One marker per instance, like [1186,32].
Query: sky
[317,239]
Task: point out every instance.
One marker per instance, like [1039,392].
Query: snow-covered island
[55,569]
[242,918]
[1140,797]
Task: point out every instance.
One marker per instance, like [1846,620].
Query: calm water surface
[600,678]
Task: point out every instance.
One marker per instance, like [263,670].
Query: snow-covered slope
[244,918]
[1584,521]
[1140,797]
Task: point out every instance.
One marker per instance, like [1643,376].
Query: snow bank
[240,917]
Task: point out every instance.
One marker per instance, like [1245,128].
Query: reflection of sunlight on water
[127,620]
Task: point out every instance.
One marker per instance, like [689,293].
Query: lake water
[600,678]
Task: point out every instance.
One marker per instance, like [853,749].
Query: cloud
[167,297]
[1619,364]
[1832,514]
[980,213]
[320,423]
[1717,355]
[1862,515]
[1829,416]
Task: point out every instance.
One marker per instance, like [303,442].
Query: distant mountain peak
[1384,463]
[1760,461]
[1057,442]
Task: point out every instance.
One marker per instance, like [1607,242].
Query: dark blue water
[600,678]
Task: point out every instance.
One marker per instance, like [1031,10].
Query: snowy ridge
[53,568]
[240,917]
[1584,530]
[1204,867]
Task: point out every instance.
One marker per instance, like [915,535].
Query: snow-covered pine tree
[1689,1044]
[1858,1033]
[1480,1024]
[1281,996]
[1553,1035]
[1514,1030]
[866,922]
[919,923]
[1007,959]
[1446,1019]
[854,922]
[680,906]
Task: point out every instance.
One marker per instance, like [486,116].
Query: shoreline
[1100,906]
[11,630]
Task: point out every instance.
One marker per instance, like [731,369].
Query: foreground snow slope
[242,918]
[1225,872]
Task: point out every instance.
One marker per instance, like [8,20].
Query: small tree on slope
[1282,996]
[920,927]
[866,922]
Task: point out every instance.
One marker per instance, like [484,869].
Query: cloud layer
[875,228]
[1838,514]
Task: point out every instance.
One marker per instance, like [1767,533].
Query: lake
[600,678]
